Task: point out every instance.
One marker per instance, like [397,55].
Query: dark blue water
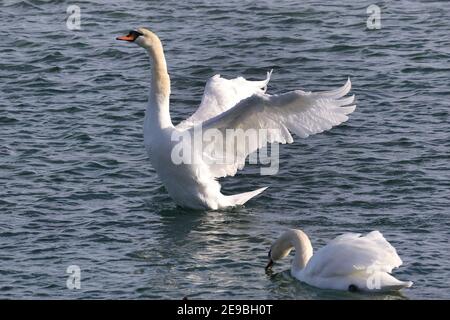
[76,187]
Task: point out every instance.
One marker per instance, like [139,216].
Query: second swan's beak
[269,264]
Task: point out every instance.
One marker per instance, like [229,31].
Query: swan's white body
[349,262]
[227,104]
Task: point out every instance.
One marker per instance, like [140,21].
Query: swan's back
[355,261]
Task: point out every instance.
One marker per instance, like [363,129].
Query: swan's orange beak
[130,37]
[126,38]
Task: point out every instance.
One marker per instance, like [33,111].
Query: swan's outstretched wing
[352,253]
[222,94]
[303,113]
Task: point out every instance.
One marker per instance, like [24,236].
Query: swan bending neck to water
[235,104]
[349,262]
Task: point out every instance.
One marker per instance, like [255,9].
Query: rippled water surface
[76,187]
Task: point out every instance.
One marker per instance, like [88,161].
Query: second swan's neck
[303,250]
[158,104]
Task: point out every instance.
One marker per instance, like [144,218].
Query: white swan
[349,262]
[226,104]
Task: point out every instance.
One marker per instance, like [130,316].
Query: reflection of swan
[349,262]
[226,104]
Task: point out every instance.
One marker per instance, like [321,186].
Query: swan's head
[280,249]
[286,242]
[142,37]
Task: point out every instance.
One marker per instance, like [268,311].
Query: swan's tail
[399,286]
[241,198]
[388,282]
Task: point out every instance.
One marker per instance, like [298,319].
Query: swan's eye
[135,34]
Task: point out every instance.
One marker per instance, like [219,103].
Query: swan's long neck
[303,250]
[158,106]
[293,239]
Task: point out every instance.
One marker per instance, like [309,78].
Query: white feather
[303,113]
[349,261]
[226,104]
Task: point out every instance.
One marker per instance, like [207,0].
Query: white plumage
[227,105]
[349,262]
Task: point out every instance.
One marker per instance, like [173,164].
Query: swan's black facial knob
[131,36]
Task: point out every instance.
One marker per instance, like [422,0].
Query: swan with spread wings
[226,105]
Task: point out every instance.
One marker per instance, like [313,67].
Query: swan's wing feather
[352,253]
[222,94]
[303,113]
